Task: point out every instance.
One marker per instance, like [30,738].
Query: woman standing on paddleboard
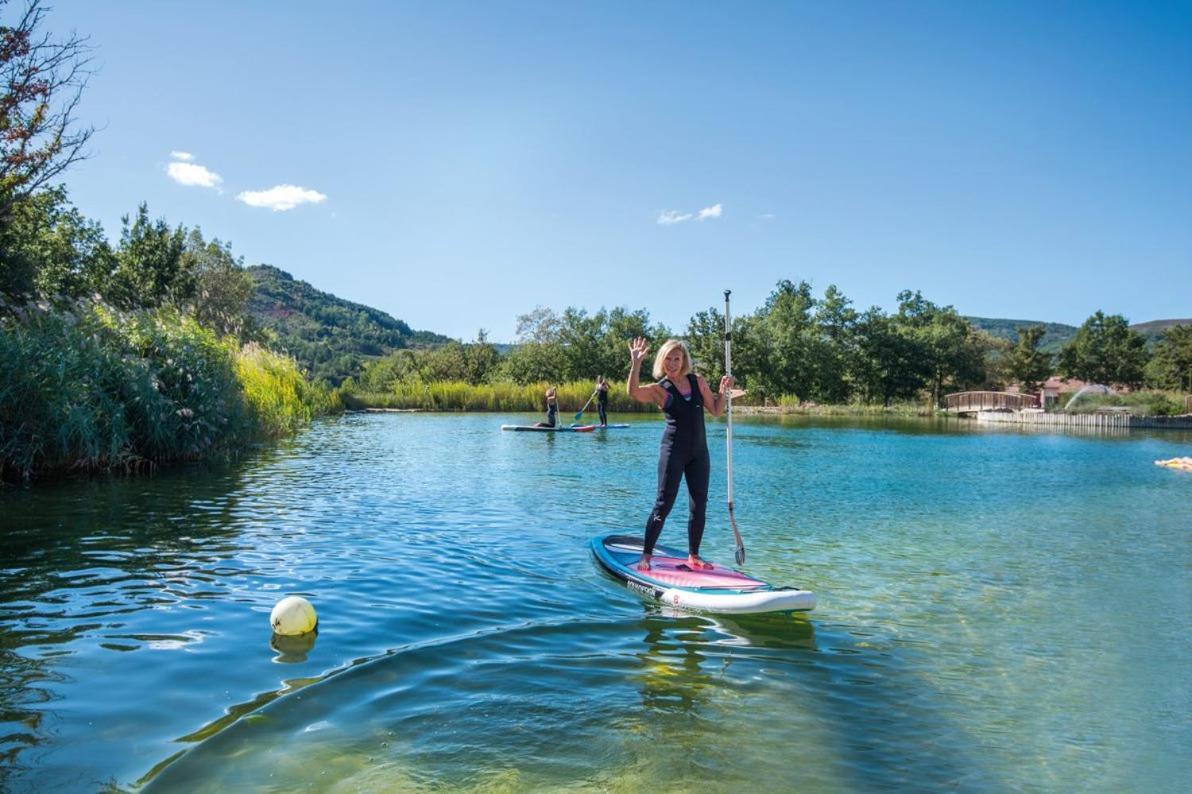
[602,400]
[682,396]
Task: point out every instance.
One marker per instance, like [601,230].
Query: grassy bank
[92,389]
[500,396]
[907,409]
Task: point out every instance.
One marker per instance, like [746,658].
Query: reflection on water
[292,649]
[467,642]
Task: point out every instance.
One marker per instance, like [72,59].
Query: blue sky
[457,164]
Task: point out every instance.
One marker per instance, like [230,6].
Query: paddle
[580,412]
[739,553]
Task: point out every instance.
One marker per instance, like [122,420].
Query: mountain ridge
[328,336]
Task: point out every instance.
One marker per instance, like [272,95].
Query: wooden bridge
[970,402]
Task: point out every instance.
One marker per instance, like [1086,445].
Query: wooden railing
[967,402]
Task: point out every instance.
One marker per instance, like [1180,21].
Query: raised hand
[726,383]
[637,350]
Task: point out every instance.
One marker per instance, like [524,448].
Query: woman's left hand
[726,383]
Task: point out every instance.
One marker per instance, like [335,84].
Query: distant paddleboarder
[552,409]
[682,395]
[602,399]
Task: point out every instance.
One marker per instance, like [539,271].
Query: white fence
[1101,421]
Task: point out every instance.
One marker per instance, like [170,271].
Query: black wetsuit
[683,453]
[602,405]
[552,408]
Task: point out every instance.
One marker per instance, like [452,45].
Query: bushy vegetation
[92,388]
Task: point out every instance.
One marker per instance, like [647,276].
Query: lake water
[997,611]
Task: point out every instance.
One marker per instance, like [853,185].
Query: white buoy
[293,615]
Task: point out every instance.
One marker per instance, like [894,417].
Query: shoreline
[743,410]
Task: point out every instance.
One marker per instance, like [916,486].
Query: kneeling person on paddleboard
[552,409]
[682,396]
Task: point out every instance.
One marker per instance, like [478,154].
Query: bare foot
[696,564]
[644,563]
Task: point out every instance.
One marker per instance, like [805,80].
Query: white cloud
[667,217]
[281,197]
[184,156]
[768,216]
[193,175]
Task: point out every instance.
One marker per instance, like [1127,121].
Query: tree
[41,81]
[443,363]
[581,337]
[705,339]
[48,247]
[480,359]
[622,327]
[222,286]
[1027,365]
[836,322]
[1170,366]
[541,325]
[151,270]
[1106,351]
[883,366]
[944,349]
[788,345]
[533,362]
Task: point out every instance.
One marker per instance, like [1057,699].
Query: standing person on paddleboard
[602,400]
[682,395]
[552,409]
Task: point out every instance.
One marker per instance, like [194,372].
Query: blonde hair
[665,351]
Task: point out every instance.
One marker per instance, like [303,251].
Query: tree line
[804,347]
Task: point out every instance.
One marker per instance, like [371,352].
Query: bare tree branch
[41,84]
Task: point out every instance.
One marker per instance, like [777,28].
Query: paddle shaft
[580,412]
[728,435]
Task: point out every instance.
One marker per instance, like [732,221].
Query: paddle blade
[579,414]
[739,552]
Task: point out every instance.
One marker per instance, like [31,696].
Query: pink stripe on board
[667,571]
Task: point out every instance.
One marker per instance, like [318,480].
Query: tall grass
[499,396]
[510,397]
[279,399]
[89,388]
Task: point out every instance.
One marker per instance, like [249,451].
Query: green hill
[1053,339]
[1058,334]
[330,337]
[1155,328]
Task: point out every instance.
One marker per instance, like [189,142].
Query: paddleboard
[605,427]
[555,429]
[669,581]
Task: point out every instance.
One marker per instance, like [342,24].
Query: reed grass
[279,399]
[504,396]
[89,388]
